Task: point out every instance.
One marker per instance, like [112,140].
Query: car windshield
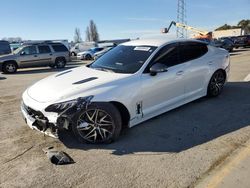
[124,59]
[17,50]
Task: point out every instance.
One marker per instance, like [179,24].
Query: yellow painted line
[221,174]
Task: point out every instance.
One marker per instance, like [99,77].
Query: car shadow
[2,78]
[183,128]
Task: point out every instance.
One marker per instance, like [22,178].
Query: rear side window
[59,48]
[192,50]
[44,49]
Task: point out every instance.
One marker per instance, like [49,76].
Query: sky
[115,19]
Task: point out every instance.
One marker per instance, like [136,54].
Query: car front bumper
[37,121]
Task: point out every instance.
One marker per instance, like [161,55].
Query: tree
[77,37]
[88,35]
[91,32]
[243,24]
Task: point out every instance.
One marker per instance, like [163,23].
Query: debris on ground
[58,157]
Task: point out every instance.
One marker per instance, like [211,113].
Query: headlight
[64,106]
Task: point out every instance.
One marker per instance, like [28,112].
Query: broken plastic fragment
[58,157]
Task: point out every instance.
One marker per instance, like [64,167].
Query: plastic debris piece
[58,157]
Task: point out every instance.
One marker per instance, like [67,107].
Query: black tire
[88,57]
[9,67]
[100,123]
[216,84]
[60,62]
[73,54]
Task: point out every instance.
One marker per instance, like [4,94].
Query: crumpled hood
[71,82]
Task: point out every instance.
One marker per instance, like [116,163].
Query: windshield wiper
[103,69]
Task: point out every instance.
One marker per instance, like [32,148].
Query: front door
[28,57]
[164,90]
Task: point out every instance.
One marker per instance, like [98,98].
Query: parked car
[129,84]
[225,43]
[42,54]
[81,47]
[242,41]
[102,52]
[88,54]
[4,47]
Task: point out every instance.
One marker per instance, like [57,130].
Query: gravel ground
[175,149]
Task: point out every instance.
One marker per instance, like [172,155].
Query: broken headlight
[64,106]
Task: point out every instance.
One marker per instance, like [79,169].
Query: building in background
[229,33]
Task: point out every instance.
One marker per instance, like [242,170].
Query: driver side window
[29,50]
[168,55]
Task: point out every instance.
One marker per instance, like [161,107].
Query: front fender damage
[64,118]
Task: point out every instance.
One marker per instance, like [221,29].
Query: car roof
[157,42]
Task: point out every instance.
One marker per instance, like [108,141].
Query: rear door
[45,55]
[197,67]
[29,56]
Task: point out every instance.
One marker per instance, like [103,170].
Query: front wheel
[9,67]
[99,123]
[216,84]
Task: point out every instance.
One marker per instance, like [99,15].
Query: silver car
[35,55]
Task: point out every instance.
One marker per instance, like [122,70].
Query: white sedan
[88,54]
[131,83]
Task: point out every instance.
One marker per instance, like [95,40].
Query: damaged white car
[130,84]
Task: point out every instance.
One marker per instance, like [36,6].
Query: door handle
[179,73]
[50,54]
[35,55]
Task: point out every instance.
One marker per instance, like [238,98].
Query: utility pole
[181,18]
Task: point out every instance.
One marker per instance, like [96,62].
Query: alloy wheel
[10,67]
[217,83]
[95,126]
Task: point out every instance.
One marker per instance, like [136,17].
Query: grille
[33,112]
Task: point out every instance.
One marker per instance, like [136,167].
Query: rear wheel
[100,123]
[9,67]
[216,84]
[88,57]
[73,54]
[60,62]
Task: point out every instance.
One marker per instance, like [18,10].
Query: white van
[81,47]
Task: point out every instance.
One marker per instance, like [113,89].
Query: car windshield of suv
[123,59]
[16,51]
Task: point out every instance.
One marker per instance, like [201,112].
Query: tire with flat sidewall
[111,110]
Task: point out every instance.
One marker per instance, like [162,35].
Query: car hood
[82,53]
[7,56]
[71,83]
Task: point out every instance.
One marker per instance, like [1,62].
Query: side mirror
[22,53]
[157,68]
